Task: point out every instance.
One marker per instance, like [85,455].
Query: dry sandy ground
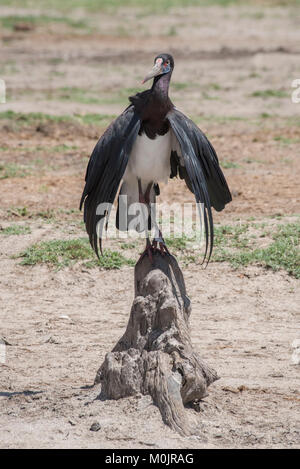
[60,324]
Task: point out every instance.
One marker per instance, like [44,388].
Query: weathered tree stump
[155,355]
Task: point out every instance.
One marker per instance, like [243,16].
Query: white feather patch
[149,159]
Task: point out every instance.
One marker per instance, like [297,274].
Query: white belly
[150,159]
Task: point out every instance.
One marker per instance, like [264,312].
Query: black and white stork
[148,143]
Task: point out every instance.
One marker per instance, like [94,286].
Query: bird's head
[163,64]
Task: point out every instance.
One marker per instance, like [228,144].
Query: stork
[148,143]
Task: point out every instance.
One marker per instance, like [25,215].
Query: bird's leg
[147,194]
[159,240]
[145,199]
[147,251]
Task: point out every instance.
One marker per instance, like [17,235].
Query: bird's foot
[159,244]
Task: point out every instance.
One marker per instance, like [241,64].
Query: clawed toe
[159,244]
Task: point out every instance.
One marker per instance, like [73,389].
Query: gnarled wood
[155,355]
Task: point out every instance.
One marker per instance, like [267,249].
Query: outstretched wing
[105,170]
[195,159]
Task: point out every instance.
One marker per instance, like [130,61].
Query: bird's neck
[160,86]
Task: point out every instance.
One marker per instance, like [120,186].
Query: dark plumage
[125,151]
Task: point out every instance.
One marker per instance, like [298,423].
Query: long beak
[156,70]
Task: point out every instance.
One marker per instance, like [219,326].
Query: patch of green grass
[62,253]
[254,75]
[128,246]
[8,68]
[253,160]
[10,21]
[43,189]
[265,115]
[48,214]
[15,230]
[55,60]
[33,118]
[172,31]
[289,231]
[228,164]
[123,94]
[190,259]
[154,6]
[101,120]
[18,211]
[110,260]
[257,15]
[179,244]
[279,255]
[74,94]
[233,235]
[239,245]
[270,94]
[13,170]
[56,73]
[146,6]
[292,120]
[122,31]
[220,119]
[179,85]
[282,253]
[63,148]
[205,95]
[286,140]
[214,86]
[91,96]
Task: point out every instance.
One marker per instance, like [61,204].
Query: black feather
[105,170]
[201,171]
